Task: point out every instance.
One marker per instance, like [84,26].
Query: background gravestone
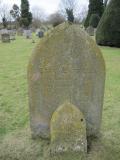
[3,31]
[20,32]
[36,32]
[41,34]
[5,38]
[90,31]
[12,34]
[27,34]
[68,134]
[66,65]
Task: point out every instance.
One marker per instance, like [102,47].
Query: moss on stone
[59,68]
[67,120]
[68,133]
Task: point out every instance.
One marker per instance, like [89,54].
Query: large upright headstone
[66,65]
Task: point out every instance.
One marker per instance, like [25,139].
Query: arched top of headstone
[67,124]
[68,40]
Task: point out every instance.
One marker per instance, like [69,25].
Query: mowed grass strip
[14,59]
[15,137]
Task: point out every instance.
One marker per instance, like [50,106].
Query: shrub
[108,31]
[95,7]
[94,20]
[56,19]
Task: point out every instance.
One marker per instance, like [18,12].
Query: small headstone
[20,32]
[40,34]
[4,31]
[27,34]
[68,134]
[90,31]
[66,65]
[33,29]
[36,32]
[12,34]
[5,38]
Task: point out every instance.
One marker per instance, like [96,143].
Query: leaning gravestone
[90,31]
[5,38]
[68,134]
[66,65]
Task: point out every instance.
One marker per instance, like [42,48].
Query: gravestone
[36,32]
[5,38]
[90,31]
[20,32]
[66,65]
[33,29]
[12,34]
[40,34]
[27,34]
[68,134]
[4,31]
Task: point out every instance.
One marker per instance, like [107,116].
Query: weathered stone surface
[4,31]
[41,34]
[20,32]
[5,38]
[27,34]
[90,31]
[12,34]
[68,134]
[66,65]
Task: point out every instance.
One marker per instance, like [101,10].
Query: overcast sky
[49,6]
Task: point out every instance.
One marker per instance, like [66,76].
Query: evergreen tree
[94,20]
[95,7]
[26,16]
[108,31]
[70,15]
[68,7]
[4,21]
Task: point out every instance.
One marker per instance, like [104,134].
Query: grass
[15,137]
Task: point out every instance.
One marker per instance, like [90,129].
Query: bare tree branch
[4,10]
[79,11]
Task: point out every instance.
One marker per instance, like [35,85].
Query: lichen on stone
[68,133]
[66,65]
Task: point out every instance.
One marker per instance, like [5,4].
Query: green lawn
[15,137]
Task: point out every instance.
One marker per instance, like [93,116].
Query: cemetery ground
[15,136]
